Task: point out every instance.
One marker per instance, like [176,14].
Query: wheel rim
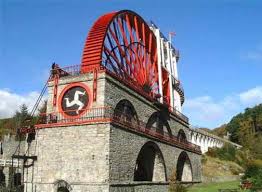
[123,43]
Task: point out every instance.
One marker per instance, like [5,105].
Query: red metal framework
[108,115]
[123,43]
[68,87]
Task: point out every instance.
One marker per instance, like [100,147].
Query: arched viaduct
[207,140]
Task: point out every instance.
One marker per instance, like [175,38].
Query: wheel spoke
[128,49]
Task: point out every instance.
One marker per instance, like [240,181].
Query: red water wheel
[123,44]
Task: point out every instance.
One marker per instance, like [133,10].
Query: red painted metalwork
[94,84]
[28,129]
[107,115]
[56,80]
[88,91]
[123,43]
[73,69]
[166,86]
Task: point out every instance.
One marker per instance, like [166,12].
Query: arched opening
[196,141]
[158,123]
[184,168]
[62,186]
[126,112]
[181,136]
[62,189]
[17,179]
[150,165]
[2,178]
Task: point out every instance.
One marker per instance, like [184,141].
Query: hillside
[222,167]
[11,125]
[7,126]
[220,131]
[243,127]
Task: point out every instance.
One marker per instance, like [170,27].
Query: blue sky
[220,43]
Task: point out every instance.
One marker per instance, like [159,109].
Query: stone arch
[196,138]
[207,143]
[150,164]
[211,142]
[62,186]
[192,136]
[215,143]
[181,136]
[62,189]
[199,139]
[125,111]
[184,168]
[159,123]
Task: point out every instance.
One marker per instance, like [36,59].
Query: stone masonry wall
[75,154]
[9,146]
[142,187]
[115,91]
[125,145]
[98,156]
[86,79]
[124,150]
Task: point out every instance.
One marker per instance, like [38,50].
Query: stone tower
[113,123]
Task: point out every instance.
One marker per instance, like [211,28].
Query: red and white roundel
[74,100]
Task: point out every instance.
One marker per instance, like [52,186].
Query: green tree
[20,116]
[244,126]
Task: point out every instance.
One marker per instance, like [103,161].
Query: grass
[213,187]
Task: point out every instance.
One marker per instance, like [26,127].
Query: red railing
[133,85]
[90,115]
[76,70]
[73,70]
[106,114]
[163,136]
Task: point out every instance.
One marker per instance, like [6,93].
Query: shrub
[227,152]
[254,173]
[174,186]
[212,152]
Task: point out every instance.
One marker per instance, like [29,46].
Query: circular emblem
[75,100]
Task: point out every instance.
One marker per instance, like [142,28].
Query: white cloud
[10,102]
[207,112]
[252,96]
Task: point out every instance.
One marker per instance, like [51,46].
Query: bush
[254,173]
[174,186]
[227,152]
[212,152]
